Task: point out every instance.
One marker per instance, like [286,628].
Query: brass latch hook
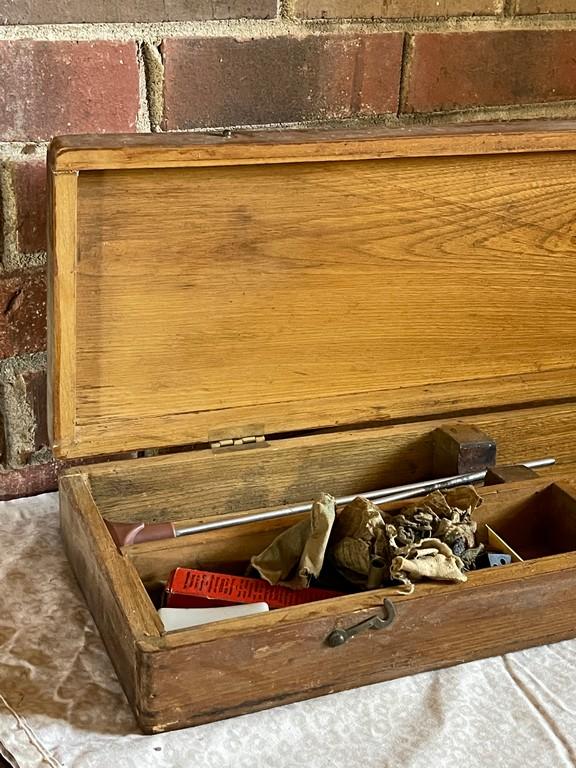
[340,636]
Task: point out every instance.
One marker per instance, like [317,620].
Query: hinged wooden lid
[207,288]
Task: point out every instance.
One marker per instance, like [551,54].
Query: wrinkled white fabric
[61,705]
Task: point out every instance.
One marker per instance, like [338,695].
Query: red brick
[69,11]
[29,182]
[22,313]
[545,6]
[224,81]
[50,88]
[398,9]
[39,478]
[36,478]
[477,69]
[36,395]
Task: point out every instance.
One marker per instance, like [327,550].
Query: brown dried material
[360,519]
[364,532]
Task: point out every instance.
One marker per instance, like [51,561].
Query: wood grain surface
[270,298]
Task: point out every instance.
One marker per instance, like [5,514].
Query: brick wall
[72,66]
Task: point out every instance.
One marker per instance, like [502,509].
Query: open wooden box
[344,295]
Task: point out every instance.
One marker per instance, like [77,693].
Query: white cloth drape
[61,705]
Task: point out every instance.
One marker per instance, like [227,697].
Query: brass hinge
[67,172]
[238,443]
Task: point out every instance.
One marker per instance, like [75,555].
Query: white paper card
[181,618]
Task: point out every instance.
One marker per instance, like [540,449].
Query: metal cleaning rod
[381,496]
[135,533]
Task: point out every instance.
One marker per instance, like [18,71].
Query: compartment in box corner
[544,524]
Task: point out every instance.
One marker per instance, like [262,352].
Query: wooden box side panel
[201,484]
[61,306]
[175,150]
[114,593]
[194,684]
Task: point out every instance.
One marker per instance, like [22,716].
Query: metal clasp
[340,636]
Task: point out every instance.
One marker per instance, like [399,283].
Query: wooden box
[346,295]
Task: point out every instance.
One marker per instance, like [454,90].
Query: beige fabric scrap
[429,559]
[297,554]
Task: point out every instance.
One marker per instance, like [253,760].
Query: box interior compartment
[543,525]
[536,522]
[201,486]
[536,518]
